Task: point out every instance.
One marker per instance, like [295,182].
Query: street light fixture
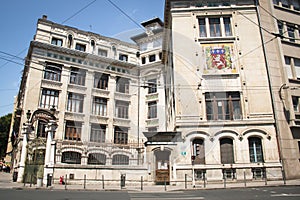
[28,115]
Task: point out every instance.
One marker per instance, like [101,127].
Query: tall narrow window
[198,151]
[295,100]
[122,109]
[77,76]
[152,110]
[49,98]
[70,41]
[291,33]
[98,133]
[101,81]
[120,135]
[214,27]
[75,102]
[73,130]
[152,86]
[226,147]
[52,72]
[41,130]
[223,106]
[122,85]
[255,150]
[99,106]
[227,26]
[202,27]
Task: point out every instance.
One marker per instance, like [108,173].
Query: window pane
[120,160]
[202,27]
[227,26]
[214,27]
[255,150]
[121,135]
[97,159]
[71,157]
[226,151]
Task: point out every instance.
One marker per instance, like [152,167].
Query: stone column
[50,150]
[25,131]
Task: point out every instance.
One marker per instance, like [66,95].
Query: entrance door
[162,172]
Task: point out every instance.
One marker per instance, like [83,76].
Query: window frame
[122,85]
[120,159]
[98,133]
[49,98]
[74,157]
[122,109]
[73,130]
[77,76]
[97,159]
[80,47]
[255,150]
[57,41]
[215,26]
[152,110]
[52,72]
[227,150]
[120,135]
[75,102]
[101,81]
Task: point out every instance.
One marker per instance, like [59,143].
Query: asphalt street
[260,193]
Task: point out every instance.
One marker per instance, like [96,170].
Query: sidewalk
[6,182]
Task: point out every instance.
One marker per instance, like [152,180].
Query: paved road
[263,193]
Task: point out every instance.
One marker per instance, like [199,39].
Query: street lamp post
[193,172]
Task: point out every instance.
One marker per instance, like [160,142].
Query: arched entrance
[162,166]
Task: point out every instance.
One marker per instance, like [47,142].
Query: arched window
[255,150]
[120,160]
[97,159]
[198,151]
[226,146]
[71,157]
[70,40]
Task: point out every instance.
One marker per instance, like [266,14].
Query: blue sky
[18,20]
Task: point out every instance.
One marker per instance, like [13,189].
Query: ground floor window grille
[71,157]
[258,173]
[120,160]
[229,173]
[200,174]
[97,159]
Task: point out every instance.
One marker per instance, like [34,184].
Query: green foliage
[4,133]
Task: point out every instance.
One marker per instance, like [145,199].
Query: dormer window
[123,57]
[80,47]
[56,41]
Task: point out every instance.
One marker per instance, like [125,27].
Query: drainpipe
[271,93]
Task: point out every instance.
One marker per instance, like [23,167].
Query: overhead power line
[124,13]
[79,11]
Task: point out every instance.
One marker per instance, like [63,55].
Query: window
[75,102]
[297,67]
[202,27]
[258,172]
[152,86]
[101,81]
[223,106]
[56,41]
[80,47]
[227,26]
[99,106]
[215,26]
[77,76]
[102,52]
[52,72]
[98,133]
[229,173]
[73,130]
[226,145]
[120,160]
[280,27]
[122,85]
[285,3]
[295,100]
[291,33]
[152,110]
[296,4]
[93,45]
[70,40]
[255,150]
[143,60]
[71,157]
[38,157]
[198,151]
[152,129]
[121,135]
[49,98]
[97,159]
[41,130]
[152,58]
[122,109]
[123,57]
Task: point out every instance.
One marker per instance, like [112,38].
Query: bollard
[266,179]
[103,182]
[204,180]
[224,179]
[66,182]
[142,183]
[185,181]
[165,183]
[245,181]
[84,181]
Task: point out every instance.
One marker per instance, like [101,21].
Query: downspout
[271,93]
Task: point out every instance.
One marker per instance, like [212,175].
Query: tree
[4,133]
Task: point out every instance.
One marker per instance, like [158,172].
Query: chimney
[44,17]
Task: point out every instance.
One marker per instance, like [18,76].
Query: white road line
[285,195]
[172,198]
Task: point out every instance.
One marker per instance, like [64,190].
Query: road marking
[166,198]
[285,195]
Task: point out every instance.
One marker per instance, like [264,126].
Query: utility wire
[79,11]
[124,13]
[13,56]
